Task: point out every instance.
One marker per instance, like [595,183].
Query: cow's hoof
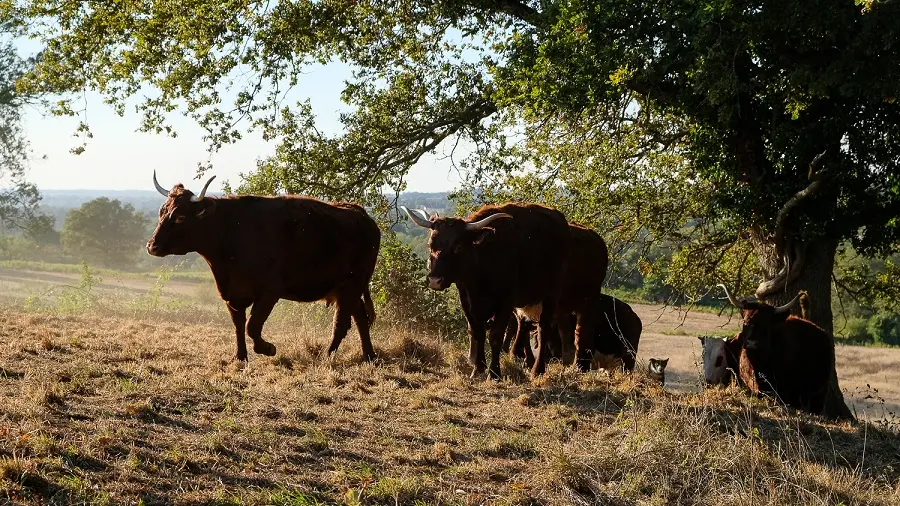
[538,370]
[477,375]
[495,374]
[369,357]
[583,365]
[264,348]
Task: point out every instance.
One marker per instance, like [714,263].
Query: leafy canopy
[692,120]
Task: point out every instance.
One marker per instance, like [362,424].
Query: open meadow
[123,392]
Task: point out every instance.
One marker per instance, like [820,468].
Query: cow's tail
[370,306]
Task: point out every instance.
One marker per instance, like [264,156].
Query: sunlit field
[122,391]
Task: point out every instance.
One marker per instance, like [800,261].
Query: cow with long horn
[784,355]
[262,249]
[500,258]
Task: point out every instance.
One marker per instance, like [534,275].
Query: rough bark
[815,278]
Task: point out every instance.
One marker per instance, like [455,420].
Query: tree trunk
[815,278]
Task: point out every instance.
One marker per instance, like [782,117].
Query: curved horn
[478,225]
[738,304]
[418,220]
[787,307]
[162,191]
[203,191]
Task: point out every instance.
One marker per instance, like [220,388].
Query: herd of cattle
[520,268]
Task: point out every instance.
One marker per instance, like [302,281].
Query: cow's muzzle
[154,250]
[438,283]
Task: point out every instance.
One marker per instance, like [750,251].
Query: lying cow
[262,249]
[721,358]
[784,355]
[617,332]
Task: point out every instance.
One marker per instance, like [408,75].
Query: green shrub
[856,330]
[399,290]
[885,328]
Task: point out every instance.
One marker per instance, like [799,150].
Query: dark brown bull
[784,355]
[581,292]
[616,332]
[262,249]
[500,257]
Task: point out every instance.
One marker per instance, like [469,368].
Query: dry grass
[101,409]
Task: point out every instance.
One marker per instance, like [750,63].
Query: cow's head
[758,319]
[656,369]
[452,244]
[181,220]
[715,360]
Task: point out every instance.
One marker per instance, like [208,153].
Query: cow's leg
[498,331]
[260,311]
[512,329]
[546,329]
[566,324]
[239,319]
[362,324]
[343,309]
[584,331]
[476,326]
[521,347]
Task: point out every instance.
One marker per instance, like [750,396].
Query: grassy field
[125,398]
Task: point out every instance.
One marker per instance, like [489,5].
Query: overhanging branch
[792,254]
[817,179]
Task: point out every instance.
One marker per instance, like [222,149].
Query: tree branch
[781,220]
[514,8]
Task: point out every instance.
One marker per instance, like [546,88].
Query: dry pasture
[146,408]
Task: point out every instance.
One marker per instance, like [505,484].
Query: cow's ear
[207,207]
[482,235]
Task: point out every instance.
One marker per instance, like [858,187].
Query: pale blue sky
[121,158]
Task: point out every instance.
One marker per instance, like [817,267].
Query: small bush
[403,298]
[884,328]
[856,330]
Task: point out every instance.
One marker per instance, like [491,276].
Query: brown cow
[616,332]
[516,262]
[576,313]
[784,355]
[721,357]
[262,249]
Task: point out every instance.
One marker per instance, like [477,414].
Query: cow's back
[297,246]
[585,269]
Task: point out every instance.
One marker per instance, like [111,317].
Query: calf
[721,358]
[656,369]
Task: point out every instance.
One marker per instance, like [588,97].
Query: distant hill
[57,203]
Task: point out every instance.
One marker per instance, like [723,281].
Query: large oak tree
[707,110]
